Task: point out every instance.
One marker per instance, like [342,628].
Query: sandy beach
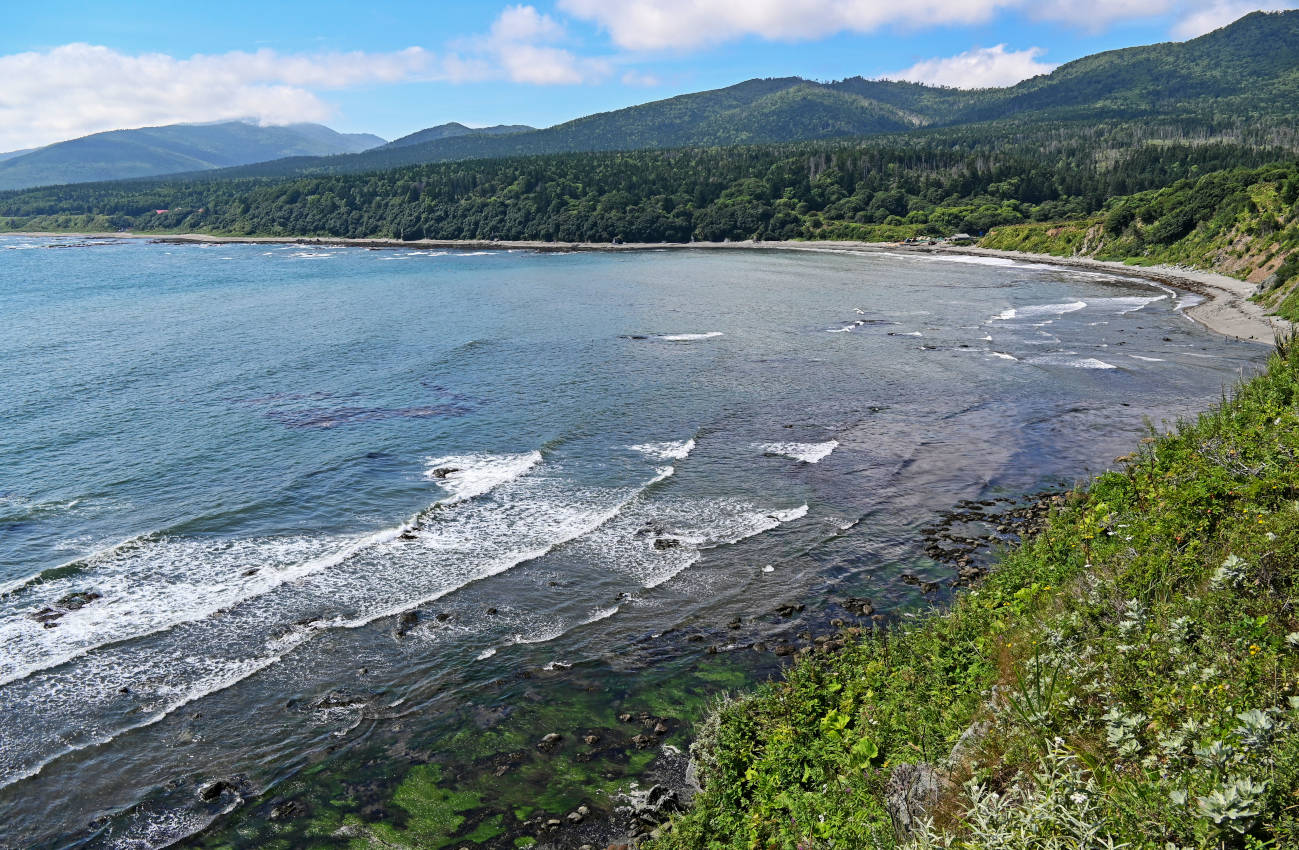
[1226,308]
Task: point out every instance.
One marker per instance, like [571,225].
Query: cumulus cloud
[672,24]
[982,67]
[1218,14]
[78,89]
[687,24]
[521,47]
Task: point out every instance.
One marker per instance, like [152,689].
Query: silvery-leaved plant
[1134,614]
[1292,640]
[1172,742]
[1058,808]
[1229,574]
[1121,731]
[1216,754]
[1256,729]
[1233,804]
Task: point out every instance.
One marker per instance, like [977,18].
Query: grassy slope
[1244,223]
[1135,666]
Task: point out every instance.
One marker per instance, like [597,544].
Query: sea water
[238,478]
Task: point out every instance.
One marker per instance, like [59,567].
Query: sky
[68,69]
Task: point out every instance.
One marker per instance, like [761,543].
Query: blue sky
[390,68]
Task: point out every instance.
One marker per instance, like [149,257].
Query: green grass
[1134,665]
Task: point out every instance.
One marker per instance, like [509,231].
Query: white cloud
[1218,14]
[687,24]
[77,89]
[520,47]
[670,24]
[982,67]
[525,23]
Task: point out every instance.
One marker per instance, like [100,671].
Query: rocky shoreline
[967,538]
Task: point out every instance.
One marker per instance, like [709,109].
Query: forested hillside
[453,129]
[1243,222]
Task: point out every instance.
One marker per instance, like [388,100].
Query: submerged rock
[214,789]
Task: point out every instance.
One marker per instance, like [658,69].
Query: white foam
[973,260]
[690,337]
[790,515]
[486,654]
[846,330]
[1072,362]
[911,333]
[1147,359]
[467,541]
[679,450]
[806,452]
[1034,310]
[1003,355]
[1126,304]
[12,766]
[156,585]
[544,636]
[475,474]
[769,569]
[599,614]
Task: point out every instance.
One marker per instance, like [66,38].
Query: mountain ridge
[1248,68]
[452,129]
[170,149]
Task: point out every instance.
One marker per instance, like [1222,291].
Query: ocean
[269,513]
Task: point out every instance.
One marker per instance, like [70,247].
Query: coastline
[1226,308]
[268,802]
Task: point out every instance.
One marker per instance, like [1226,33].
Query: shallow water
[251,461]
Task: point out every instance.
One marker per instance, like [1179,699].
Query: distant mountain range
[454,129]
[152,151]
[1245,75]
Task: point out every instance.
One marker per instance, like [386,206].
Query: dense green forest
[891,188]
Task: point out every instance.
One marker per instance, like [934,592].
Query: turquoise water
[239,477]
